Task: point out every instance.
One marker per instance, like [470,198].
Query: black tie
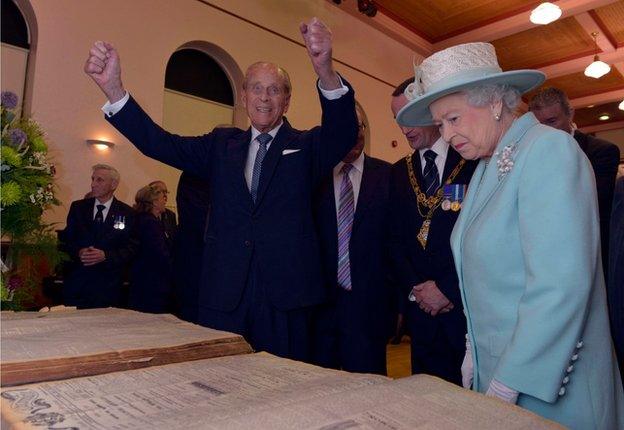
[99,216]
[430,175]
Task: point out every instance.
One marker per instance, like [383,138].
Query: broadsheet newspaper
[255,391]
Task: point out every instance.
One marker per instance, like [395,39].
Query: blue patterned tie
[263,140]
[99,215]
[430,174]
[345,225]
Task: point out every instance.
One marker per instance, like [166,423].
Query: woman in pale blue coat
[526,244]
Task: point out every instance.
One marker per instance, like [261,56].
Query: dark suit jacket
[170,226]
[604,157]
[98,285]
[193,201]
[371,296]
[413,265]
[150,274]
[278,229]
[615,286]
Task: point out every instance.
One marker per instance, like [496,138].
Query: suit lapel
[488,182]
[367,191]
[282,139]
[238,148]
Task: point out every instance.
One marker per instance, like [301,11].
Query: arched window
[199,90]
[15,48]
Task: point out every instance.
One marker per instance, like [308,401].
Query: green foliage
[27,190]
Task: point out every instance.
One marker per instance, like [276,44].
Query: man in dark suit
[615,286]
[552,107]
[426,191]
[168,217]
[97,241]
[261,274]
[353,327]
[193,201]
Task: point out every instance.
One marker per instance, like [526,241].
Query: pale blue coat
[527,251]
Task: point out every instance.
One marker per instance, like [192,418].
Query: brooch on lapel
[504,160]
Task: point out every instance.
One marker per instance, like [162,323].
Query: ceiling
[561,49]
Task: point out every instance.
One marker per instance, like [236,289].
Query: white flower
[504,160]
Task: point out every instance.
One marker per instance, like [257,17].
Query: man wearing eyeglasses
[353,327]
[261,271]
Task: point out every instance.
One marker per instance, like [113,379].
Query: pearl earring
[497,116]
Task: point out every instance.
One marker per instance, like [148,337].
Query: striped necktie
[345,225]
[430,174]
[263,140]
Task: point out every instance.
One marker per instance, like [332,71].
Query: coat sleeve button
[562,391]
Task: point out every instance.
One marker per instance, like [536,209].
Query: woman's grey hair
[482,95]
[144,199]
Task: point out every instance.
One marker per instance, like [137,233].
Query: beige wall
[146,32]
[615,136]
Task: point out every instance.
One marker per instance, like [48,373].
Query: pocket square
[290,151]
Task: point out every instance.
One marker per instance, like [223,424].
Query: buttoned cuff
[333,94]
[111,109]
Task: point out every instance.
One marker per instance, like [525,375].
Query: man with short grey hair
[552,107]
[97,239]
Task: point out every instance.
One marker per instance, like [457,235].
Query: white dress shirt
[111,109]
[107,203]
[355,175]
[441,148]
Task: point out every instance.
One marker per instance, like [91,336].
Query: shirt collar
[106,203]
[440,147]
[358,164]
[255,133]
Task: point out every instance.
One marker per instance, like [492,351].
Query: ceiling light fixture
[597,68]
[604,117]
[101,145]
[545,13]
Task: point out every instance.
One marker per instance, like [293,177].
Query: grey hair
[482,95]
[282,73]
[111,170]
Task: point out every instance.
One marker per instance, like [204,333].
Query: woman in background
[526,244]
[150,277]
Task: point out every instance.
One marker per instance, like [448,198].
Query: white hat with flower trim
[455,69]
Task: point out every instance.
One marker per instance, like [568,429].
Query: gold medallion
[424,233]
[455,206]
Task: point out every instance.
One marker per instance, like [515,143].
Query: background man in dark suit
[193,202]
[552,107]
[352,328]
[420,246]
[615,286]
[97,240]
[261,274]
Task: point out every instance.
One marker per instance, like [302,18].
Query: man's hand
[91,256]
[430,298]
[104,68]
[318,41]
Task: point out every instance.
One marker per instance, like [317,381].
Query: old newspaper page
[57,345]
[255,391]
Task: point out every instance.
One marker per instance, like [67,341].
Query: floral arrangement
[26,191]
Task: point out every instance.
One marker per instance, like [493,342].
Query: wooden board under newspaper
[38,347]
[256,391]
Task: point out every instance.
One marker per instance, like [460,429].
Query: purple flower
[15,283]
[9,99]
[17,136]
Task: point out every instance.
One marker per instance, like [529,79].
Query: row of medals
[449,205]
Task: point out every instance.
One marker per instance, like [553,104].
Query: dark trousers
[437,347]
[342,341]
[265,328]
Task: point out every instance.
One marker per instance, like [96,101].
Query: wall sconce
[100,145]
[597,68]
[621,105]
[545,13]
